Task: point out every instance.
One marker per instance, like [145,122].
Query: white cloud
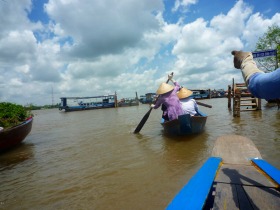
[203,48]
[233,23]
[256,26]
[104,27]
[17,46]
[184,4]
[99,47]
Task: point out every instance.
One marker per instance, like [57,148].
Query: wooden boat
[185,124]
[11,137]
[235,177]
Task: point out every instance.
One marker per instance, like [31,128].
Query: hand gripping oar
[146,116]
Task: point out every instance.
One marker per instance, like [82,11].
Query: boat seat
[195,192]
[270,170]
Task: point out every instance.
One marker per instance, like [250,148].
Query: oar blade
[143,121]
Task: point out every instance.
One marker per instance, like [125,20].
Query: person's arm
[177,86]
[158,103]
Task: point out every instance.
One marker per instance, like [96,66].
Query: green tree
[270,40]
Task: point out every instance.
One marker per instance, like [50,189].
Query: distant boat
[201,94]
[185,124]
[131,101]
[234,177]
[11,137]
[86,103]
[148,98]
[128,102]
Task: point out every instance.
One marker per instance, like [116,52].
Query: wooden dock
[242,99]
[234,177]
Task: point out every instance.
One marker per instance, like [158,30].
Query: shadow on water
[19,154]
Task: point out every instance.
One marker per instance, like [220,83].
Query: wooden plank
[225,197]
[242,175]
[249,104]
[248,99]
[234,149]
[270,170]
[230,196]
[244,110]
[263,197]
[244,202]
[194,194]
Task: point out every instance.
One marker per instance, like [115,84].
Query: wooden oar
[203,104]
[146,116]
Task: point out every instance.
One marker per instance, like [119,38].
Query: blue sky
[88,48]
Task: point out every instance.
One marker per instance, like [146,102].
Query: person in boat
[261,85]
[168,99]
[188,104]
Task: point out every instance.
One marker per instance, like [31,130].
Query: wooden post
[237,96]
[137,99]
[233,93]
[278,103]
[116,100]
[229,96]
[259,103]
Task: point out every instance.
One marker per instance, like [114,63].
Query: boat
[148,98]
[124,102]
[11,137]
[185,124]
[86,103]
[201,93]
[131,101]
[234,177]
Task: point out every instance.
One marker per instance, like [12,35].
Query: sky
[61,48]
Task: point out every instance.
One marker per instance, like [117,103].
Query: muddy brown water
[92,160]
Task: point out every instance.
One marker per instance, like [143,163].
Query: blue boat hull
[90,107]
[185,124]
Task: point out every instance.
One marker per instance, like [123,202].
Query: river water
[92,160]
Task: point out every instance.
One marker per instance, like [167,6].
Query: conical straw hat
[184,93]
[164,88]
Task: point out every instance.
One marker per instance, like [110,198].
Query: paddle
[203,104]
[146,116]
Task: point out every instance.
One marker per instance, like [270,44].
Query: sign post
[266,53]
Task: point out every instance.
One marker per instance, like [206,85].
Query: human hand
[152,106]
[170,76]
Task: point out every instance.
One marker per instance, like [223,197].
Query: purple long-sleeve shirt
[172,103]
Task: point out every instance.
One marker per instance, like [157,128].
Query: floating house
[86,103]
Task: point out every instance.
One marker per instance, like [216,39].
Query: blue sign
[265,53]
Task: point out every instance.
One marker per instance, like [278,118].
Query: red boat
[11,137]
